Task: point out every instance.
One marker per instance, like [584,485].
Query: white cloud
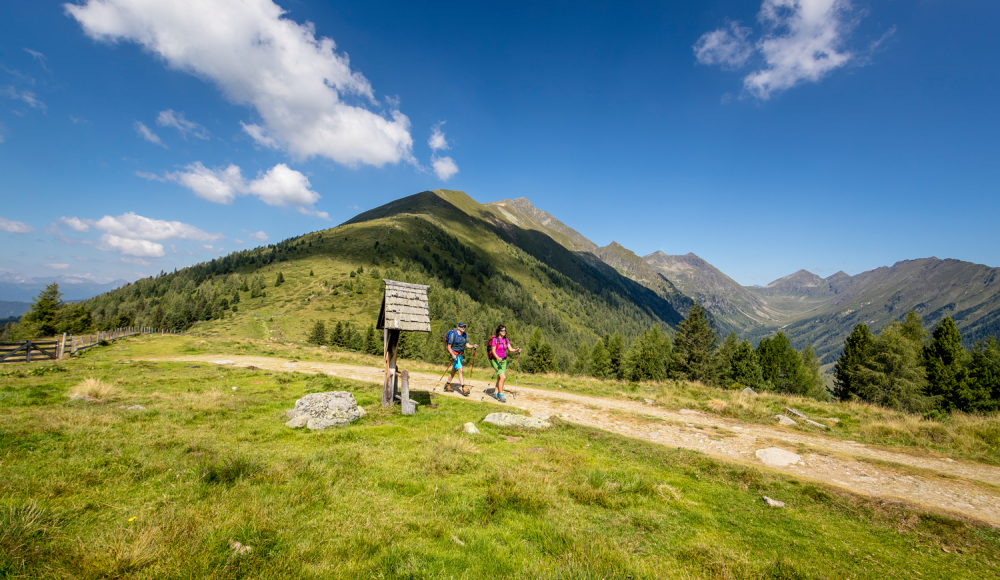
[444,167]
[238,241]
[171,118]
[255,56]
[437,140]
[26,96]
[727,47]
[131,247]
[41,58]
[57,266]
[133,226]
[278,186]
[803,40]
[257,236]
[15,227]
[258,135]
[76,224]
[148,135]
[135,261]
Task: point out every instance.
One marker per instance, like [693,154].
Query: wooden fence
[69,345]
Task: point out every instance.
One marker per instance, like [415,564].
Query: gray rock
[833,420]
[511,420]
[239,549]
[298,422]
[471,429]
[648,401]
[815,424]
[322,410]
[798,414]
[777,457]
[774,502]
[748,391]
[783,420]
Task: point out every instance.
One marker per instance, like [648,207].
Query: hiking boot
[465,390]
[448,389]
[501,398]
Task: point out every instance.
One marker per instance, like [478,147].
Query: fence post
[27,353]
[62,346]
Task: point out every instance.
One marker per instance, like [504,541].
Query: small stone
[298,422]
[798,414]
[239,549]
[471,429]
[815,424]
[512,420]
[774,502]
[457,541]
[648,401]
[783,420]
[748,391]
[777,457]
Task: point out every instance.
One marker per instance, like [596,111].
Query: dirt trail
[967,488]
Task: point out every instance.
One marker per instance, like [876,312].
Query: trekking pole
[517,373]
[472,367]
[445,373]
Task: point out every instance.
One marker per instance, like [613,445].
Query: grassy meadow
[94,489]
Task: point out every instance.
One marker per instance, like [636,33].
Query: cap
[461,325]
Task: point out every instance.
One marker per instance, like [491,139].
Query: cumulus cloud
[131,247]
[437,140]
[258,236]
[803,41]
[295,81]
[171,118]
[15,227]
[278,186]
[444,167]
[148,135]
[133,226]
[76,224]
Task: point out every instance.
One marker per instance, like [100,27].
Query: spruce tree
[616,356]
[244,287]
[695,347]
[317,335]
[44,311]
[744,369]
[371,341]
[724,360]
[781,365]
[236,298]
[894,377]
[337,334]
[811,381]
[945,360]
[982,385]
[310,271]
[912,328]
[279,280]
[647,356]
[857,354]
[600,362]
[581,366]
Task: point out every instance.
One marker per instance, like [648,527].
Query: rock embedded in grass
[785,420]
[774,502]
[815,424]
[471,429]
[321,410]
[512,420]
[777,457]
[798,414]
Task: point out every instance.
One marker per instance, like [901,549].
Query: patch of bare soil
[943,484]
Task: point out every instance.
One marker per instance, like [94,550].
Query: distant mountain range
[810,309]
[19,288]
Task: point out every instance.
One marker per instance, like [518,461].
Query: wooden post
[391,350]
[404,396]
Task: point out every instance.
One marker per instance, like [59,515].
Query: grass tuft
[230,469]
[93,389]
[22,529]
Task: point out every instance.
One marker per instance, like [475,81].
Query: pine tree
[724,360]
[279,280]
[600,362]
[243,286]
[44,311]
[695,347]
[781,365]
[616,356]
[744,368]
[912,328]
[894,377]
[810,381]
[857,354]
[982,386]
[647,356]
[236,298]
[945,360]
[317,335]
[337,335]
[310,271]
[581,366]
[371,341]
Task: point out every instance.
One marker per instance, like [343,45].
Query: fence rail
[71,345]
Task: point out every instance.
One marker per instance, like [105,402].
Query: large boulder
[512,420]
[322,410]
[777,457]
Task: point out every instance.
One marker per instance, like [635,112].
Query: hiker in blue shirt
[456,343]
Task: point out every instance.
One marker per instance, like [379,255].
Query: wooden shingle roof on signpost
[404,307]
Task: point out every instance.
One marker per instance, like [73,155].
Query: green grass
[93,490]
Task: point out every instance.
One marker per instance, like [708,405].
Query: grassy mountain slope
[522,213]
[481,268]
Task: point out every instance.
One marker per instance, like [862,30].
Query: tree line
[904,368]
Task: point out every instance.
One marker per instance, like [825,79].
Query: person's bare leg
[501,379]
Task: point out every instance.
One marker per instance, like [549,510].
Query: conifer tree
[581,366]
[695,347]
[945,360]
[912,328]
[647,356]
[857,354]
[724,360]
[600,362]
[44,311]
[782,365]
[616,356]
[243,286]
[317,335]
[982,385]
[236,298]
[743,367]
[371,341]
[337,334]
[811,383]
[279,280]
[894,377]
[310,271]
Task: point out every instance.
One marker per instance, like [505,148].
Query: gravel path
[963,487]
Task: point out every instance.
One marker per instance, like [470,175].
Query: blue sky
[765,136]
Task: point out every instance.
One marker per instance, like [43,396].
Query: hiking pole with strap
[517,373]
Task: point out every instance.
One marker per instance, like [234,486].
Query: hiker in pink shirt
[499,348]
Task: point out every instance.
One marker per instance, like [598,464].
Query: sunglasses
[503,330]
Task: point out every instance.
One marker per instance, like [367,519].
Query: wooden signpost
[404,307]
